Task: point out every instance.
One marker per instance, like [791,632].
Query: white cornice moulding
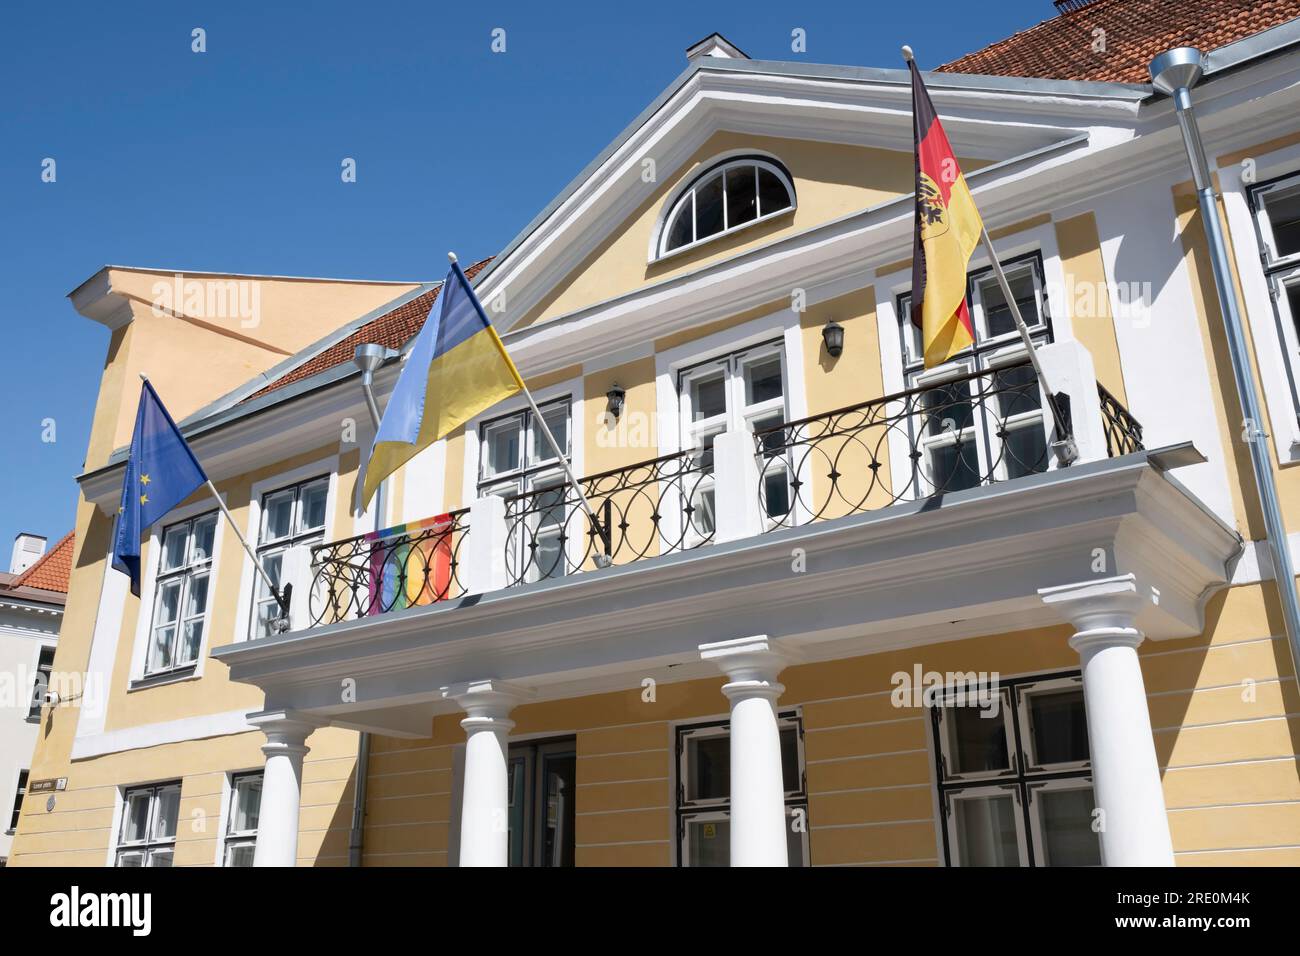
[167,732]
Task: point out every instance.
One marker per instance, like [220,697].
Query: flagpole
[605,534]
[275,592]
[1065,445]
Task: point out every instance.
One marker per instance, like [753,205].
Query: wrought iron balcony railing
[407,566]
[647,509]
[956,434]
[937,438]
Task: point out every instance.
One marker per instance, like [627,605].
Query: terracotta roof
[51,571]
[392,329]
[1136,31]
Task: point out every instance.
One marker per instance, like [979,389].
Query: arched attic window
[726,197]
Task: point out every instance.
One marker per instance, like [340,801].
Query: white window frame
[719,808]
[151,561]
[293,550]
[537,469]
[186,573]
[1277,348]
[685,195]
[737,414]
[989,354]
[1023,776]
[1028,750]
[977,793]
[301,575]
[1034,788]
[226,838]
[37,700]
[149,844]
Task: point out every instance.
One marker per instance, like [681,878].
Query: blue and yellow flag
[161,472]
[457,368]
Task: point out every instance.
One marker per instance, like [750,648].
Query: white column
[758,823]
[286,745]
[484,823]
[1125,772]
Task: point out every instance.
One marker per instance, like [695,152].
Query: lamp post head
[1176,68]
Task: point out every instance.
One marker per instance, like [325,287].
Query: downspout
[367,358]
[1175,72]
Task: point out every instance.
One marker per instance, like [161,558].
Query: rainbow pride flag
[410,564]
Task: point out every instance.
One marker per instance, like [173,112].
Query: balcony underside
[950,567]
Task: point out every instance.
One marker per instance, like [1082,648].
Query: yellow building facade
[858,613]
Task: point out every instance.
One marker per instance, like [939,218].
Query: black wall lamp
[616,397]
[833,336]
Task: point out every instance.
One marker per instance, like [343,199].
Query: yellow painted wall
[830,180]
[1090,314]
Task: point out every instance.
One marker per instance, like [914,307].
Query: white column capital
[487,698]
[286,730]
[1100,604]
[749,661]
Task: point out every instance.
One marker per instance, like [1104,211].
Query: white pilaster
[735,471]
[286,746]
[1125,772]
[484,822]
[758,835]
[1069,368]
[485,559]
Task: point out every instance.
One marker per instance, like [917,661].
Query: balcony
[913,447]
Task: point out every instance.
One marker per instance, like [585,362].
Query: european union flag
[161,472]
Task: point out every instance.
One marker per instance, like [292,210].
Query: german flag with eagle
[948,229]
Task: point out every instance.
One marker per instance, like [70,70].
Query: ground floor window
[18,801]
[147,836]
[241,819]
[704,792]
[1015,777]
[541,811]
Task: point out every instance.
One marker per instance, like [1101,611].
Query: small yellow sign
[710,831]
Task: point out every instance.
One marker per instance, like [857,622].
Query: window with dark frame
[147,833]
[1015,781]
[1276,209]
[541,808]
[704,792]
[515,458]
[964,440]
[293,519]
[241,819]
[41,684]
[19,793]
[181,595]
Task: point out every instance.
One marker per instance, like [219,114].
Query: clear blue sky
[229,160]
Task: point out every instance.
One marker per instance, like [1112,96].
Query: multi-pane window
[1277,217]
[18,800]
[704,792]
[541,808]
[980,415]
[725,198]
[147,836]
[1015,783]
[293,519]
[515,457]
[241,819]
[181,595]
[743,390]
[44,667]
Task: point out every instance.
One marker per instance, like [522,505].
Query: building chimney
[715,44]
[28,549]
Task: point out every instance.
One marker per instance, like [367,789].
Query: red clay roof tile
[52,571]
[1136,31]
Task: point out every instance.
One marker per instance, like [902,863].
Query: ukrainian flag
[457,368]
